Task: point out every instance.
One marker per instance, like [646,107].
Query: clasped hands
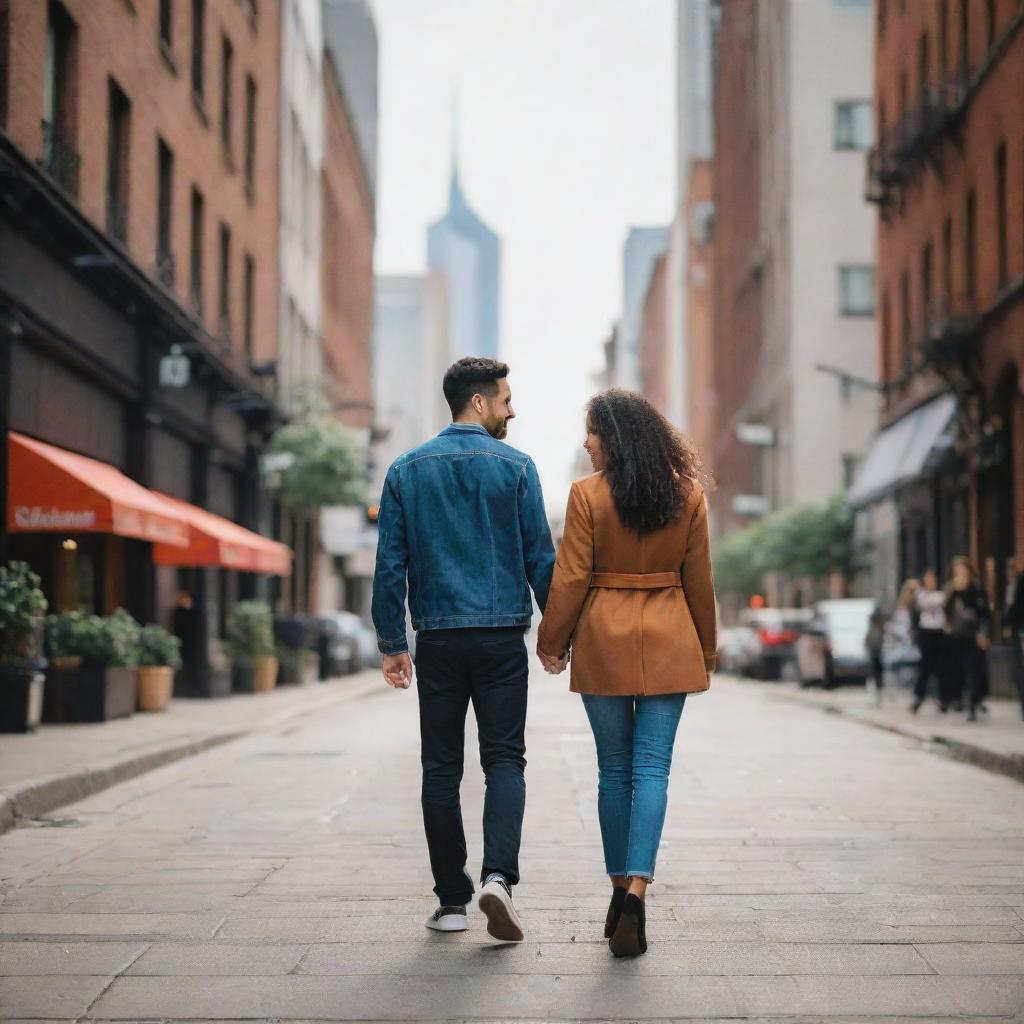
[552,665]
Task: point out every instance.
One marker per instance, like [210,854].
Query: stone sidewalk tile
[48,957]
[974,958]
[216,958]
[184,926]
[67,996]
[60,764]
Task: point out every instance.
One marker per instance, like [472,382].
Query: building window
[1002,216]
[906,321]
[947,262]
[849,469]
[166,22]
[970,215]
[881,18]
[886,339]
[943,38]
[224,284]
[857,291]
[250,136]
[926,284]
[164,211]
[60,75]
[119,112]
[198,47]
[853,124]
[923,60]
[990,22]
[965,40]
[248,297]
[195,285]
[226,68]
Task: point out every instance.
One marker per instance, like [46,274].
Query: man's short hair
[471,376]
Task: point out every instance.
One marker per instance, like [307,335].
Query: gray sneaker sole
[502,921]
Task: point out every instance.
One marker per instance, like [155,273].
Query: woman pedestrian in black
[1014,620]
[969,620]
[930,636]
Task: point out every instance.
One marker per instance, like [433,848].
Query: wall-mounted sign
[758,434]
[175,369]
[750,505]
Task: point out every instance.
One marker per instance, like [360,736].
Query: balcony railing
[951,332]
[60,159]
[165,268]
[913,139]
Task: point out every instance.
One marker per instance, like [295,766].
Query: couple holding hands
[463,535]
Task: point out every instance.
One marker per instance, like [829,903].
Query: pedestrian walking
[632,594]
[968,615]
[1014,620]
[931,637]
[902,652]
[875,642]
[462,519]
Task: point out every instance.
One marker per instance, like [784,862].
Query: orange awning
[52,490]
[214,540]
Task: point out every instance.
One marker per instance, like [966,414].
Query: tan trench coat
[639,611]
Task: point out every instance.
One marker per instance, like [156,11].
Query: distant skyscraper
[463,248]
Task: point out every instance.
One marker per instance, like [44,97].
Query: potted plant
[22,606]
[159,657]
[251,643]
[96,661]
[299,663]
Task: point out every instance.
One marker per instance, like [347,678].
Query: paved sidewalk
[59,763]
[812,871]
[994,742]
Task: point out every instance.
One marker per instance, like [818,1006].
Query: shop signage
[33,517]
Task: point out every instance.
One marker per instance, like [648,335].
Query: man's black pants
[487,666]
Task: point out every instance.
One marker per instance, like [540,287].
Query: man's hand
[552,665]
[398,670]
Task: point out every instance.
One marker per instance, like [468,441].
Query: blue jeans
[634,737]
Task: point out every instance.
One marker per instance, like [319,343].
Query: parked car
[777,630]
[833,649]
[353,643]
[738,649]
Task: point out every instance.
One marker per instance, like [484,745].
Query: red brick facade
[654,342]
[700,378]
[123,41]
[347,261]
[948,173]
[737,286]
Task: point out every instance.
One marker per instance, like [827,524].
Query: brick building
[139,184]
[947,173]
[654,351]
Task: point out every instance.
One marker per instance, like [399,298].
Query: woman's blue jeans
[634,737]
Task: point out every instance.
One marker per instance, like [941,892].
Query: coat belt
[636,580]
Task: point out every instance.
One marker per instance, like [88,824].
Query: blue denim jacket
[462,518]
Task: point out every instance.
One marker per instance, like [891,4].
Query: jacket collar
[460,428]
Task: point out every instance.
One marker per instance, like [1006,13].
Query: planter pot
[90,693]
[21,699]
[61,674]
[264,673]
[155,685]
[310,671]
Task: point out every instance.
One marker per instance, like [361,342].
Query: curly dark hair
[650,466]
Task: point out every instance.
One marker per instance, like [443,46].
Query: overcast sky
[567,139]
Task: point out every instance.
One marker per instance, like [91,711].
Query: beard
[497,428]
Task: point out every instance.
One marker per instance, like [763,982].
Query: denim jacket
[462,519]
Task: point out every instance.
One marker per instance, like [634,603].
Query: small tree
[329,466]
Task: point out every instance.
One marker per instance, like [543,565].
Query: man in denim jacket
[462,519]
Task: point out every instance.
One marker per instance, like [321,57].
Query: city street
[812,868]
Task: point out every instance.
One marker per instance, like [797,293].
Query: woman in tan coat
[632,594]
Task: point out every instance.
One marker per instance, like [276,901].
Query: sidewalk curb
[1011,765]
[39,796]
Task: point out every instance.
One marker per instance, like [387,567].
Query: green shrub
[71,634]
[111,641]
[158,647]
[250,630]
[22,605]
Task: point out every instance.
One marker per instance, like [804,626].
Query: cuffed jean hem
[649,875]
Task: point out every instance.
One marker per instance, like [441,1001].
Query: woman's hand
[553,665]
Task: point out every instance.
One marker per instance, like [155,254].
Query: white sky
[567,139]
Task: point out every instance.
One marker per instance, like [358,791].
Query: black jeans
[971,670]
[933,644]
[487,666]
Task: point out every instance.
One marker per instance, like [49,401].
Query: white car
[833,649]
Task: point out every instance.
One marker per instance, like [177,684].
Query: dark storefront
[83,331]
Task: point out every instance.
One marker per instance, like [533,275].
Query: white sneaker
[448,919]
[496,903]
